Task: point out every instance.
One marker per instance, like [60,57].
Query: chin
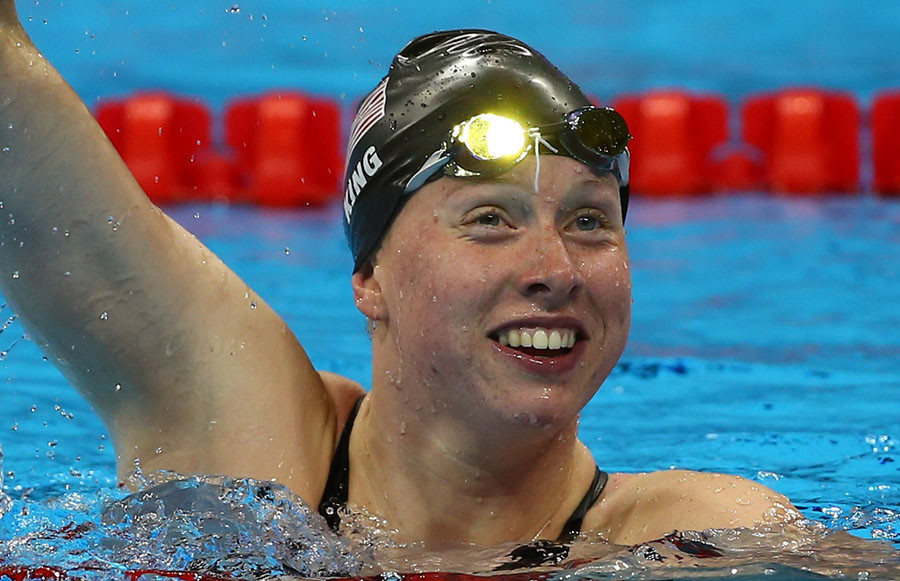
[543,408]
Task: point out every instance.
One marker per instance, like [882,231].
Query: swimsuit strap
[548,553]
[336,487]
[573,525]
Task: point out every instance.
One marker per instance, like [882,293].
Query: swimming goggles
[489,144]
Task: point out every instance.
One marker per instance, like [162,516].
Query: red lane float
[284,148]
[17,573]
[158,135]
[288,148]
[809,139]
[886,143]
[676,133]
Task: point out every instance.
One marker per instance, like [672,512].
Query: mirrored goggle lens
[601,130]
[490,137]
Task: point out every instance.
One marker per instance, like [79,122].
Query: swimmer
[484,204]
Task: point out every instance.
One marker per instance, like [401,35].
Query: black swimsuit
[336,488]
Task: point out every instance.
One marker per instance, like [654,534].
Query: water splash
[246,529]
[5,500]
[239,527]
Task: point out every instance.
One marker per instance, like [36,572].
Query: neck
[442,479]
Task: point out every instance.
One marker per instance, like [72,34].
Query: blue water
[342,47]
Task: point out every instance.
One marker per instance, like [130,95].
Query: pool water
[764,343]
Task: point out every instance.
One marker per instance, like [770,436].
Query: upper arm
[189,368]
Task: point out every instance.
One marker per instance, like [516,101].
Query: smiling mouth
[539,342]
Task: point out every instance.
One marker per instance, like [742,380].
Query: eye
[589,220]
[489,219]
[587,223]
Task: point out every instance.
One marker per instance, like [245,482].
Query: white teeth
[555,340]
[526,339]
[539,338]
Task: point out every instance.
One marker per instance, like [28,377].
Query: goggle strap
[435,162]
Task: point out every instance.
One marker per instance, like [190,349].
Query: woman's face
[473,270]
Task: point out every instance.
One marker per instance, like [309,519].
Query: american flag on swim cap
[371,110]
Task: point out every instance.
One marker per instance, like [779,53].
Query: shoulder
[642,507]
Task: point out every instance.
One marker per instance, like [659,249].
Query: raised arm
[190,370]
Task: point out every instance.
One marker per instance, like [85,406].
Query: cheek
[609,282]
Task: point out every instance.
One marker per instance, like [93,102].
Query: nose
[548,274]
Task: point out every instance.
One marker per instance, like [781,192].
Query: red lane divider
[676,133]
[158,136]
[809,138]
[288,148]
[886,143]
[17,573]
[285,148]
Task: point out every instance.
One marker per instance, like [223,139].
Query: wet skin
[464,439]
[467,259]
[452,410]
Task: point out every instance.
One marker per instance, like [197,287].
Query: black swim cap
[436,82]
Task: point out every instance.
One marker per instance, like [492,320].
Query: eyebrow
[597,192]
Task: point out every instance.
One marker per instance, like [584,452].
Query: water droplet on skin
[118,387]
[253,305]
[104,316]
[159,450]
[6,149]
[15,274]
